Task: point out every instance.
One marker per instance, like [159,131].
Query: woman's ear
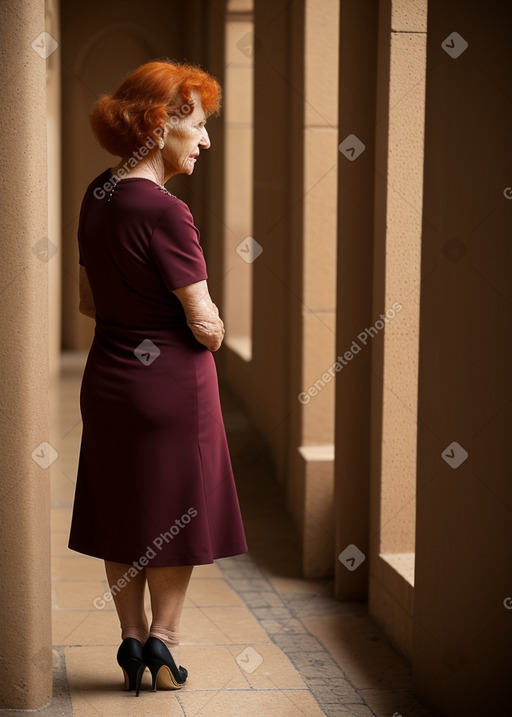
[163,137]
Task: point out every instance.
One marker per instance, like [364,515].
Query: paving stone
[335,691]
[319,681]
[347,711]
[284,626]
[249,585]
[262,599]
[272,613]
[312,604]
[391,702]
[361,710]
[315,664]
[235,561]
[246,572]
[299,643]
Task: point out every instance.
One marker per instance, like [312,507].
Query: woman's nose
[205,139]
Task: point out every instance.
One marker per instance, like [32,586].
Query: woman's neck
[150,167]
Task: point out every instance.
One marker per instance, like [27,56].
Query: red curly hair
[146,100]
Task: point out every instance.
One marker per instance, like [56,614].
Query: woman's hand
[202,314]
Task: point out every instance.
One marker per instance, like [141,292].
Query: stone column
[25,617]
[393,336]
[294,49]
[356,179]
[294,222]
[463,591]
[53,114]
[313,282]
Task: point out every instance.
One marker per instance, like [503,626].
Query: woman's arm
[86,305]
[202,314]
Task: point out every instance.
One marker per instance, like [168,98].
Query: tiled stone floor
[257,639]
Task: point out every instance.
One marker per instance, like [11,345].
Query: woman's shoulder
[169,200]
[101,185]
[173,212]
[136,192]
[168,206]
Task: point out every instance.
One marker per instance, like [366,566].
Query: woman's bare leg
[168,588]
[129,600]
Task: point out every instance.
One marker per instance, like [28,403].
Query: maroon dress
[154,476]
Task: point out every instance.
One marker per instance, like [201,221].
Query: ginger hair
[146,100]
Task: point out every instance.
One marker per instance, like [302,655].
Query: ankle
[171,639]
[137,632]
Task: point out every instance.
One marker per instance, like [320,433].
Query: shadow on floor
[341,654]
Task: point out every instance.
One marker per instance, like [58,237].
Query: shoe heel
[162,678]
[154,676]
[129,659]
[132,672]
[165,674]
[138,679]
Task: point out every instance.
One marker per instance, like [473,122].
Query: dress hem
[229,554]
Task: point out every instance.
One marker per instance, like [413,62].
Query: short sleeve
[176,249]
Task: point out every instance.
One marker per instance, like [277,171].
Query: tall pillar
[310,487]
[290,391]
[399,160]
[463,590]
[356,179]
[25,598]
[53,113]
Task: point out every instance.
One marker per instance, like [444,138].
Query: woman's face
[184,140]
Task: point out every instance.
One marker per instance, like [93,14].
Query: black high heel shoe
[130,659]
[162,666]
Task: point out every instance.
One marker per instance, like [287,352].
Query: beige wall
[462,627]
[423,219]
[356,188]
[399,154]
[53,114]
[237,215]
[310,480]
[293,280]
[25,598]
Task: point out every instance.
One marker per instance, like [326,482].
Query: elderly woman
[155,493]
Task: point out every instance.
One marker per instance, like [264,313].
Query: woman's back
[138,243]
